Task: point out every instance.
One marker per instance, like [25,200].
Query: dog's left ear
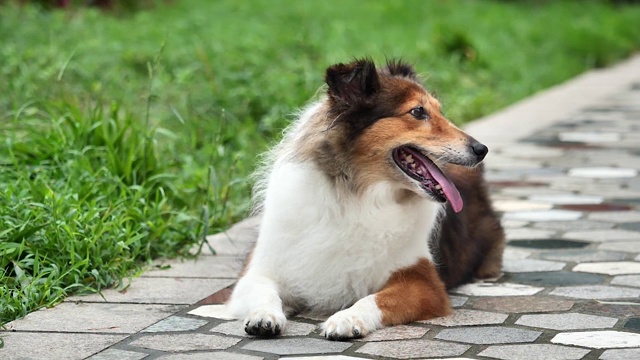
[399,68]
[353,83]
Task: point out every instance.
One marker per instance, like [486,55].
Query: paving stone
[236,328]
[400,332]
[633,324]
[572,225]
[411,349]
[556,278]
[528,233]
[159,291]
[533,352]
[184,342]
[519,205]
[596,292]
[213,311]
[543,215]
[598,339]
[549,244]
[613,308]
[202,267]
[561,199]
[238,240]
[523,304]
[603,235]
[496,289]
[457,301]
[625,246]
[596,207]
[218,297]
[324,357]
[633,226]
[580,256]
[488,335]
[528,191]
[603,172]
[513,224]
[96,318]
[511,252]
[610,268]
[620,354]
[464,317]
[589,136]
[615,216]
[530,265]
[626,280]
[176,323]
[209,355]
[297,346]
[117,354]
[63,346]
[570,321]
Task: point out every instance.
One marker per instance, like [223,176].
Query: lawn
[127,136]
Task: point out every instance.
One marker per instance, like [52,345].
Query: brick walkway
[563,168]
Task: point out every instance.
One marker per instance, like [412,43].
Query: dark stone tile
[516,184]
[219,297]
[633,324]
[579,256]
[627,201]
[556,278]
[549,244]
[635,226]
[522,304]
[595,207]
[620,310]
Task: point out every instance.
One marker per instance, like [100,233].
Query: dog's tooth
[438,187]
[409,159]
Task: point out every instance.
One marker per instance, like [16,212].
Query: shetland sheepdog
[373,205]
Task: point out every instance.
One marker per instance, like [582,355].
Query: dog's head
[394,130]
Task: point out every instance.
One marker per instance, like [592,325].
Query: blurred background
[129,128]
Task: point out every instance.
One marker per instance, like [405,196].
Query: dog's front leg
[410,294]
[256,300]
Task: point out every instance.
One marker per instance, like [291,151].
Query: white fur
[320,250]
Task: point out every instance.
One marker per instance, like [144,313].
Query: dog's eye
[419,113]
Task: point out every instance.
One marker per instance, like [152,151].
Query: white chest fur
[325,252]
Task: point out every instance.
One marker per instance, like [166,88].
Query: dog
[373,205]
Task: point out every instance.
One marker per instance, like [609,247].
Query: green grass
[125,137]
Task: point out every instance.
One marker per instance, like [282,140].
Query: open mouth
[432,180]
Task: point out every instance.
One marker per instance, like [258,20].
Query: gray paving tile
[457,301]
[465,317]
[603,172]
[607,339]
[543,215]
[533,352]
[596,292]
[528,233]
[160,291]
[610,268]
[324,357]
[570,321]
[37,346]
[569,198]
[238,240]
[297,346]
[615,216]
[176,323]
[212,311]
[488,335]
[400,332]
[530,265]
[184,342]
[523,304]
[514,224]
[411,349]
[626,280]
[520,205]
[94,318]
[117,354]
[210,355]
[513,252]
[620,354]
[236,328]
[580,256]
[624,246]
[572,225]
[496,289]
[556,278]
[603,235]
[202,267]
[591,137]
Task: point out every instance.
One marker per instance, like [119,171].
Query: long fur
[343,229]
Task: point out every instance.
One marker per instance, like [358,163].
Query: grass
[126,137]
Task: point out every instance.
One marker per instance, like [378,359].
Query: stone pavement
[563,170]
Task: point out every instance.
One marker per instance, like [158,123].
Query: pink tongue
[449,189]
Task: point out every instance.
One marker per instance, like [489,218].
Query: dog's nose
[480,150]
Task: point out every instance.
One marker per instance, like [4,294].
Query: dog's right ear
[353,83]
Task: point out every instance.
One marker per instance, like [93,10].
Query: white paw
[264,323]
[345,325]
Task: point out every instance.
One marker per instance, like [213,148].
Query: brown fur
[413,293]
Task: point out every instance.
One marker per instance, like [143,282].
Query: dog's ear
[397,67]
[353,83]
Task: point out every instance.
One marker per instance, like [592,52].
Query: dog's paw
[344,325]
[264,323]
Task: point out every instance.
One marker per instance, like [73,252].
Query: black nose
[480,150]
